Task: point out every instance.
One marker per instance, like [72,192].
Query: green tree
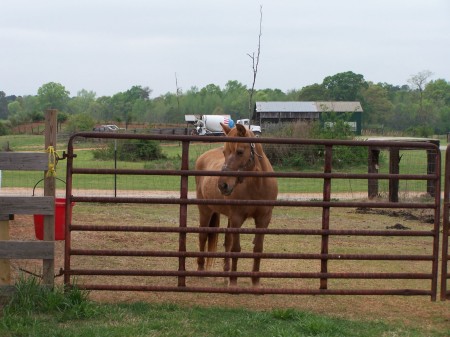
[376,104]
[17,115]
[61,118]
[82,102]
[267,95]
[15,108]
[438,92]
[80,122]
[344,86]
[314,92]
[3,106]
[437,103]
[102,109]
[210,99]
[235,99]
[31,106]
[140,109]
[122,103]
[5,128]
[53,96]
[24,109]
[418,83]
[191,102]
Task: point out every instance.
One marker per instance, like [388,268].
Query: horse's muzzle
[225,189]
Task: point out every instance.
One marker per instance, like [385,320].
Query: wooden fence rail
[11,205]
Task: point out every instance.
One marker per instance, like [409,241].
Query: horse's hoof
[256,284]
[232,283]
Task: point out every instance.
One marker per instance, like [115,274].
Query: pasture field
[182,314]
[394,315]
[412,162]
[40,312]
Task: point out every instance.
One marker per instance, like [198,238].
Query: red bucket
[60,220]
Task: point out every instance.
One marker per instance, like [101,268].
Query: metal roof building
[276,112]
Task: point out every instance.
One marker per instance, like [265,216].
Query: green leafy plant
[332,126]
[31,297]
[131,150]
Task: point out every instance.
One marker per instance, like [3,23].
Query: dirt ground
[417,311]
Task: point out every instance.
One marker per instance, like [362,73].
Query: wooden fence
[45,205]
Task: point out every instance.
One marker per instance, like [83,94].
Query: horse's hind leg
[207,219]
[202,239]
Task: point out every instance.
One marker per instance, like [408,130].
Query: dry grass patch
[414,311]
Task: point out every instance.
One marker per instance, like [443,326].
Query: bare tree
[418,82]
[255,63]
[178,93]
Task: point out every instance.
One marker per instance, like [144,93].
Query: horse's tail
[213,238]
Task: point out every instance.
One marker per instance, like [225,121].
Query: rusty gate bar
[183,210]
[326,215]
[262,274]
[292,203]
[445,276]
[306,256]
[144,229]
[324,256]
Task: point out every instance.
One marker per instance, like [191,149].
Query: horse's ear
[225,128]
[241,130]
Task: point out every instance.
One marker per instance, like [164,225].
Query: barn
[279,112]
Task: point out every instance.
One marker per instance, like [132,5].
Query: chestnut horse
[234,157]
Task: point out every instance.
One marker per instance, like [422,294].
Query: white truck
[256,129]
[209,125]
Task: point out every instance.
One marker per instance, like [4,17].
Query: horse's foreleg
[227,244]
[235,248]
[258,244]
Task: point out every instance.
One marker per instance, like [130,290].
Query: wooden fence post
[5,271]
[394,168]
[374,156]
[49,190]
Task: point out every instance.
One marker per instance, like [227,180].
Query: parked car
[107,128]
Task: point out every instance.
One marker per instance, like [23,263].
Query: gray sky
[109,46]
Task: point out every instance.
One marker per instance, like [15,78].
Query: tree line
[420,108]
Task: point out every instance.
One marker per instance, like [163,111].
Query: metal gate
[323,271]
[445,276]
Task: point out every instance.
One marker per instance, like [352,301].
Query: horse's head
[238,157]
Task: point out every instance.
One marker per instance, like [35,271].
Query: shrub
[5,128]
[131,150]
[423,131]
[31,297]
[80,122]
[311,156]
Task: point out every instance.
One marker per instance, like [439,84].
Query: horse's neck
[264,164]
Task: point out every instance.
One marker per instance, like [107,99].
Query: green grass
[22,142]
[85,159]
[39,311]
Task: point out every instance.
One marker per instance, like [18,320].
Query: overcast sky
[109,46]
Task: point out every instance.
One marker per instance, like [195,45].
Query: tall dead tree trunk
[255,63]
